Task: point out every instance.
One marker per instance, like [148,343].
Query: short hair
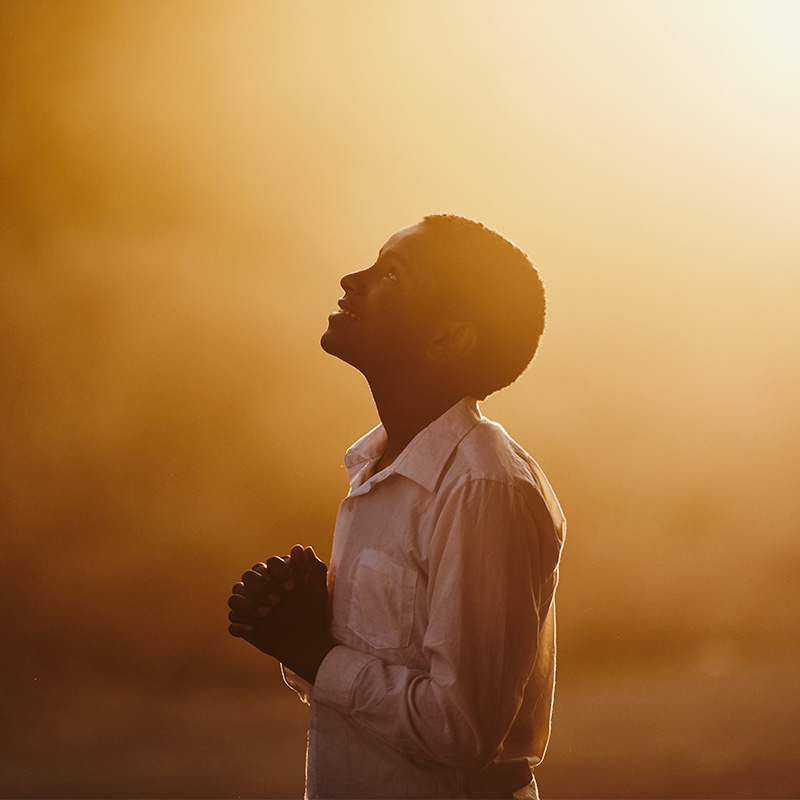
[489,281]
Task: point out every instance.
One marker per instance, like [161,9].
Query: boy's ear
[452,340]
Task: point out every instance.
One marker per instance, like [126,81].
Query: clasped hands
[281,608]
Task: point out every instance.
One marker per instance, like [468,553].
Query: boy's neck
[405,411]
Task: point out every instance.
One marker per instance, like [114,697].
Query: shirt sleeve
[299,685]
[485,589]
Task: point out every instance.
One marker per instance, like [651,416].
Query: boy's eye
[390,275]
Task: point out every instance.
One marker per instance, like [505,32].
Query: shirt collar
[425,456]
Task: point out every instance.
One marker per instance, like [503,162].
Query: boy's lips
[347,310]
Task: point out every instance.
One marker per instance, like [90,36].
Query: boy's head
[486,280]
[447,298]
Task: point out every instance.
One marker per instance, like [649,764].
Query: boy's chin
[330,344]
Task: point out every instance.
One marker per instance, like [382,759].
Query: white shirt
[442,582]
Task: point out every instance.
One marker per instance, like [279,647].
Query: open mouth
[347,312]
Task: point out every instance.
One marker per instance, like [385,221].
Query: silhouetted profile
[427,654]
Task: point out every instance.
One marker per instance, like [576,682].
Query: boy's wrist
[306,660]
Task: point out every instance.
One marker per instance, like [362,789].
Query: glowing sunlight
[184,185]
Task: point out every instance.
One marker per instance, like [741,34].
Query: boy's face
[388,313]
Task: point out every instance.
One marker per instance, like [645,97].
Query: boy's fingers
[256,601]
[261,587]
[296,555]
[313,563]
[239,588]
[281,573]
[245,606]
[239,629]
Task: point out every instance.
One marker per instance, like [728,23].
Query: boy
[429,659]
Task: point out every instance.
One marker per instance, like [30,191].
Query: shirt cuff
[294,681]
[336,676]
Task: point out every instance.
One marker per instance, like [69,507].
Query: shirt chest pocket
[382,604]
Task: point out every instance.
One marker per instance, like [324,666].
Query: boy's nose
[353,281]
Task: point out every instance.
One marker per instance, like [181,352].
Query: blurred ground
[691,730]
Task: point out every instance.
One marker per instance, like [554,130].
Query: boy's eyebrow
[393,255]
[390,253]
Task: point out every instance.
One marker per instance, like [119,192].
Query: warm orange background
[183,183]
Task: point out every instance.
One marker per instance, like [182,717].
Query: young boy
[429,659]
